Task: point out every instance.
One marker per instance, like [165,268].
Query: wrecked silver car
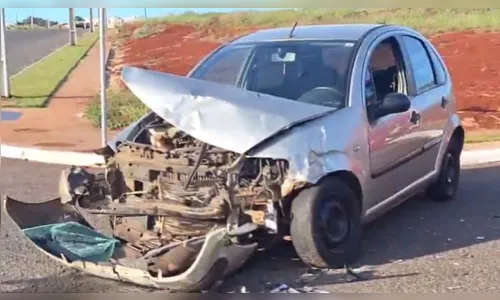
[308,132]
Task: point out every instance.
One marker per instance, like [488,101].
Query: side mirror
[392,104]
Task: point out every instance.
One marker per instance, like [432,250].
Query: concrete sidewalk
[61,125]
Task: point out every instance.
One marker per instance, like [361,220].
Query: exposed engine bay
[164,188]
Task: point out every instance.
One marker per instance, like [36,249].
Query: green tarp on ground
[75,241]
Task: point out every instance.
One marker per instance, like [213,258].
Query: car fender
[452,124]
[311,169]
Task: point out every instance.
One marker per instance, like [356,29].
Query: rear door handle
[415,117]
[444,102]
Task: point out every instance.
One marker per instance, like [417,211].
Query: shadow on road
[80,283]
[421,227]
[417,228]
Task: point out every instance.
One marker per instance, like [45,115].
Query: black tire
[327,244]
[446,186]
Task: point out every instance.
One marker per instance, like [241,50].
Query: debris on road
[357,273]
[74,241]
[283,288]
[308,276]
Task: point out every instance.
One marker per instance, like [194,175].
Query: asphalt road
[419,247]
[24,47]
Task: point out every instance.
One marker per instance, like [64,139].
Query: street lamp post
[102,43]
[72,27]
[3,57]
[91,19]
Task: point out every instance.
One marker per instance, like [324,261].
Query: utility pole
[145,13]
[31,18]
[72,27]
[3,57]
[105,16]
[102,43]
[91,19]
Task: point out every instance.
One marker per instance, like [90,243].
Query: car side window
[439,70]
[370,93]
[385,73]
[420,63]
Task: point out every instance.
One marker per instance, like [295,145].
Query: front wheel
[326,224]
[446,186]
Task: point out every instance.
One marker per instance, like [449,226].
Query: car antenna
[293,29]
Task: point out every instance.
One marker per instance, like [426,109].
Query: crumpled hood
[221,115]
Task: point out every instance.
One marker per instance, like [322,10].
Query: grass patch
[123,109]
[428,20]
[25,27]
[482,137]
[147,30]
[33,87]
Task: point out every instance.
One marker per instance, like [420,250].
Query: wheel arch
[458,136]
[346,176]
[352,181]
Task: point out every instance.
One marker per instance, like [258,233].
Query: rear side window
[420,63]
[439,70]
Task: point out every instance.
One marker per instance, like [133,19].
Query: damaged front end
[180,198]
[185,213]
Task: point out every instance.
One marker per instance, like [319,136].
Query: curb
[476,157]
[53,156]
[468,158]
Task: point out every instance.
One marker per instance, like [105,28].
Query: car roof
[351,32]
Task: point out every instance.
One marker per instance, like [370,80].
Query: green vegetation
[25,27]
[482,137]
[425,19]
[123,109]
[34,86]
[147,30]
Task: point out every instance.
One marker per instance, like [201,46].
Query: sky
[61,14]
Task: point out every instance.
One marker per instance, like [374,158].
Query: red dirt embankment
[173,50]
[472,58]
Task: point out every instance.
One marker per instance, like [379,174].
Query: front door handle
[444,102]
[415,117]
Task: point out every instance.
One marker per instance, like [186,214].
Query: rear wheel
[446,186]
[326,224]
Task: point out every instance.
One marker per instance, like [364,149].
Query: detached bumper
[218,258]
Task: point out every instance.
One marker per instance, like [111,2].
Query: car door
[429,99]
[388,136]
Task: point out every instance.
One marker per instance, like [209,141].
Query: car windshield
[307,71]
